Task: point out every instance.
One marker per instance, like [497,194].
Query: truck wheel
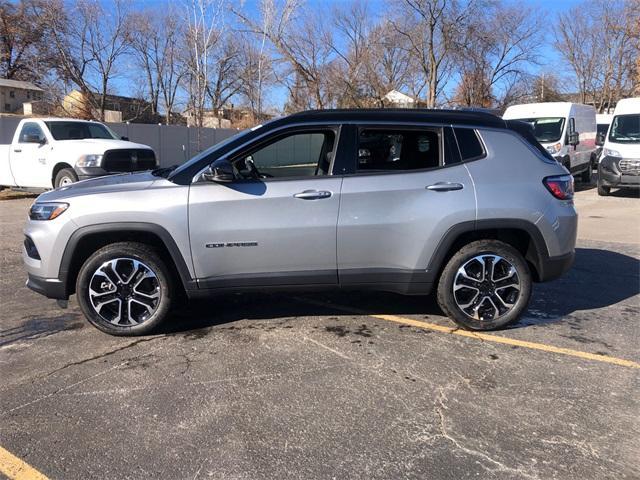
[66,176]
[486,285]
[125,289]
[585,177]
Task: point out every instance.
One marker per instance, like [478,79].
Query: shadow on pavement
[598,279]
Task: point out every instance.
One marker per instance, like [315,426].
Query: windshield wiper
[163,172]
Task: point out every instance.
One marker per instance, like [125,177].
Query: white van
[566,130]
[619,164]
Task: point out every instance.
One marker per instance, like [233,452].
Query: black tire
[603,191]
[465,256]
[162,282]
[585,176]
[65,177]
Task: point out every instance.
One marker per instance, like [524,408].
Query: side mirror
[126,139]
[600,138]
[220,171]
[573,139]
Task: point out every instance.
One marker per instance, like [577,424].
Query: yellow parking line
[16,469]
[509,341]
[487,337]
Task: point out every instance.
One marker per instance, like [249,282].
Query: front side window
[79,131]
[302,154]
[399,149]
[31,133]
[546,129]
[625,129]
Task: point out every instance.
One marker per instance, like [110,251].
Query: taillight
[560,186]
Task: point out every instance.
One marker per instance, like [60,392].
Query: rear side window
[398,149]
[469,144]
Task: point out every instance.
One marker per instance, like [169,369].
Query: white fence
[173,144]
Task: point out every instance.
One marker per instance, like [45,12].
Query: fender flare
[188,282]
[537,253]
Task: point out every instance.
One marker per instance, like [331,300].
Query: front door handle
[17,150]
[444,187]
[313,194]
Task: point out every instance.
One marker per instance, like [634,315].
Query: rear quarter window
[469,144]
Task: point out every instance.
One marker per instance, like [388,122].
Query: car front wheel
[486,285]
[125,289]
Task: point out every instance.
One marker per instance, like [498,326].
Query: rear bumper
[551,268]
[49,287]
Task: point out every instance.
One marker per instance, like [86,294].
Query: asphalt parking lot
[347,385]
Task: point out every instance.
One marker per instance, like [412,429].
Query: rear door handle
[444,187]
[17,150]
[313,194]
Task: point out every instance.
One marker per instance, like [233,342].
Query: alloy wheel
[486,287]
[124,291]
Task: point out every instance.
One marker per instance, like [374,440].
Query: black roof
[453,117]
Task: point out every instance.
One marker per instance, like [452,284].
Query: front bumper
[610,173]
[91,172]
[49,287]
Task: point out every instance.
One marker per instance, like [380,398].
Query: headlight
[607,152]
[552,149]
[47,211]
[89,161]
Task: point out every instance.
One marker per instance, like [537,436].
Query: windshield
[79,131]
[546,129]
[625,129]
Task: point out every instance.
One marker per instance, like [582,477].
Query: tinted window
[79,131]
[296,155]
[382,149]
[546,129]
[29,132]
[469,143]
[602,128]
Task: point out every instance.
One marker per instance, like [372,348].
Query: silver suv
[396,200]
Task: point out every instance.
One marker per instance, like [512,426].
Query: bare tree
[24,55]
[89,40]
[496,48]
[156,47]
[303,45]
[428,28]
[597,39]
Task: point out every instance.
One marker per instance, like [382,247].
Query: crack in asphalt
[103,355]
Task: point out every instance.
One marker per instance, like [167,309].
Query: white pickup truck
[53,152]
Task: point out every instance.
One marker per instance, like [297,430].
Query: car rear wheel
[64,177]
[125,289]
[486,285]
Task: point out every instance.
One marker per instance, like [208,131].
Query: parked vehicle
[619,165]
[53,152]
[396,200]
[603,120]
[566,130]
